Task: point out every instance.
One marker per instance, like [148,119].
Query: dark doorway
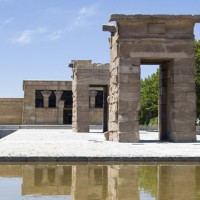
[100,103]
[67,116]
[67,112]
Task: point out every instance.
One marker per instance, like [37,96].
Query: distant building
[47,102]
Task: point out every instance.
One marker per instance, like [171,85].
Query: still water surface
[100,182]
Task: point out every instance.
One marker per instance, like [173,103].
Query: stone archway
[85,75]
[167,40]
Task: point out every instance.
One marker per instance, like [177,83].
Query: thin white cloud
[89,11]
[5,23]
[55,35]
[27,35]
[84,14]
[81,20]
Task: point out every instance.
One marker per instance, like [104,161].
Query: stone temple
[110,93]
[50,103]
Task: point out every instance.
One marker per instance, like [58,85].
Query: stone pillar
[58,94]
[164,87]
[92,94]
[80,115]
[129,99]
[124,100]
[60,112]
[46,94]
[183,98]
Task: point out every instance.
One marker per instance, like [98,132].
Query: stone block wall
[152,39]
[85,74]
[46,116]
[11,110]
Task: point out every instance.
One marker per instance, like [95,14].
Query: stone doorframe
[167,40]
[85,74]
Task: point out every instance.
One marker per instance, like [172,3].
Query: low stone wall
[148,128]
[96,115]
[11,110]
[46,115]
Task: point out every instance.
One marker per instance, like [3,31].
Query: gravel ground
[64,143]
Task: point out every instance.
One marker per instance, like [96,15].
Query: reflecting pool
[100,182]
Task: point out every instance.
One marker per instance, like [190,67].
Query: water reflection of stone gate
[105,182]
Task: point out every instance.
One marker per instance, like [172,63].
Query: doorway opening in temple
[155,103]
[98,108]
[67,112]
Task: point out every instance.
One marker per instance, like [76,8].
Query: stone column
[60,112]
[46,94]
[80,108]
[164,86]
[129,99]
[58,94]
[92,94]
[124,100]
[183,99]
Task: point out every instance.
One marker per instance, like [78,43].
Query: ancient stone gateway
[85,77]
[166,40]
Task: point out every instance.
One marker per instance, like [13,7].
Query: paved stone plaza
[54,143]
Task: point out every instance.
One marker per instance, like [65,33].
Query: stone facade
[85,76]
[167,40]
[11,110]
[44,114]
[25,111]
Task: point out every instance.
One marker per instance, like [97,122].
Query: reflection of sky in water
[10,188]
[145,196]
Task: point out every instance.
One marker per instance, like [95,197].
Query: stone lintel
[109,27]
[121,17]
[77,63]
[87,64]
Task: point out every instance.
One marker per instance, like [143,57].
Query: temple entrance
[165,40]
[98,111]
[148,114]
[155,106]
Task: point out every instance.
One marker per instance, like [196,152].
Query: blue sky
[38,38]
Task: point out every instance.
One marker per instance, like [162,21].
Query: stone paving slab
[63,145]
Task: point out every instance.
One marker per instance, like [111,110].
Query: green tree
[149,97]
[197,78]
[148,179]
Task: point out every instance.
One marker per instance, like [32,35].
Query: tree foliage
[197,78]
[149,97]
